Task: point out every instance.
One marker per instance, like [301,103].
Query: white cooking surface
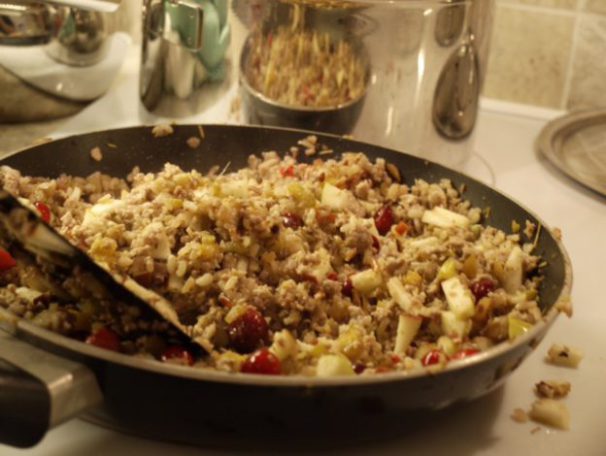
[504,156]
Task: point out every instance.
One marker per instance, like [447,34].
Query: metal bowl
[261,110]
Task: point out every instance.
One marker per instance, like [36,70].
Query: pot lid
[576,145]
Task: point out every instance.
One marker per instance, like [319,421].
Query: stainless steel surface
[80,38]
[25,24]
[576,145]
[455,103]
[44,46]
[428,60]
[171,66]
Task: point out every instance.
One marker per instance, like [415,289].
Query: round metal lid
[576,144]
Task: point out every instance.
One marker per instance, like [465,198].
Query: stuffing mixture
[330,268]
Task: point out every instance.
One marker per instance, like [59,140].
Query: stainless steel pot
[427,61]
[39,389]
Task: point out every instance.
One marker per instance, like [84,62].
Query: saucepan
[47,378]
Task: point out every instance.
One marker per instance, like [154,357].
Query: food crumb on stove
[161,130]
[564,305]
[96,154]
[557,233]
[111,145]
[201,132]
[193,142]
[326,151]
[551,412]
[552,389]
[562,355]
[535,429]
[519,416]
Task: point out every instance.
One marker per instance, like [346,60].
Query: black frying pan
[64,378]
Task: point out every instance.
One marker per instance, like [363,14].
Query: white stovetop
[505,147]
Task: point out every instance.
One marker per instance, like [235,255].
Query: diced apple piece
[366,281]
[551,412]
[458,297]
[563,355]
[513,272]
[399,294]
[444,218]
[334,197]
[447,345]
[408,326]
[284,345]
[517,327]
[453,326]
[235,188]
[448,269]
[427,243]
[333,366]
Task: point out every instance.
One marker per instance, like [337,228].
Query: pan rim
[212,375]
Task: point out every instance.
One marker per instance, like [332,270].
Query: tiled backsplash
[549,53]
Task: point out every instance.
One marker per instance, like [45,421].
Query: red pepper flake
[225,302]
[177,353]
[332,276]
[396,359]
[289,171]
[6,261]
[325,218]
[43,210]
[402,228]
[104,338]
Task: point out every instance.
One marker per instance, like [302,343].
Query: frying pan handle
[39,390]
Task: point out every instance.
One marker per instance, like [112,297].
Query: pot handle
[39,390]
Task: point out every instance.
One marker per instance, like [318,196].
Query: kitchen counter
[504,157]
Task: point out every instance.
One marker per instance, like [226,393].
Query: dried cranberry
[347,289]
[104,338]
[482,287]
[179,354]
[384,219]
[332,276]
[43,210]
[6,261]
[289,171]
[290,220]
[465,353]
[433,357]
[249,331]
[262,362]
